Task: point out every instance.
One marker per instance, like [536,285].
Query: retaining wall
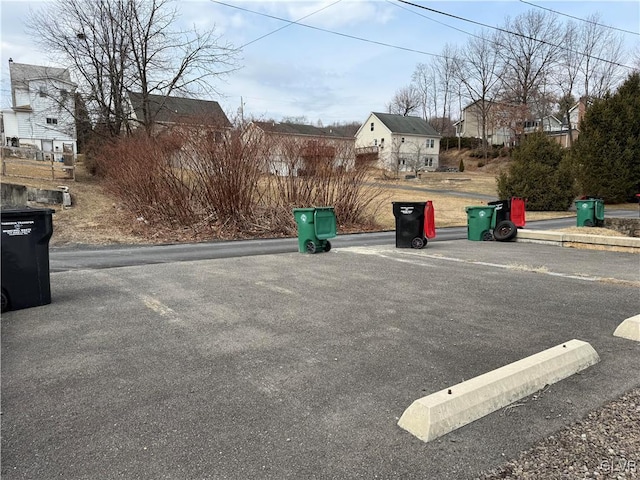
[629,227]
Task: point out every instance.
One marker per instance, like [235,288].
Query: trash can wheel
[417,242]
[327,246]
[310,246]
[487,236]
[505,231]
[5,301]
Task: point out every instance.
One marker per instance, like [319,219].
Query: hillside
[97,217]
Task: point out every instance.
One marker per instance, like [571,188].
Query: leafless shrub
[236,183]
[139,170]
[226,170]
[321,173]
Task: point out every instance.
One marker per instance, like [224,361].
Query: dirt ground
[97,218]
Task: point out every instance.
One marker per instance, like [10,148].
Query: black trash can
[25,257]
[503,210]
[409,224]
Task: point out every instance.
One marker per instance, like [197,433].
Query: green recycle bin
[480,222]
[315,226]
[590,212]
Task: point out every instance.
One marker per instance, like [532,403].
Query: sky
[323,73]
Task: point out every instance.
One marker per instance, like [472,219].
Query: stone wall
[30,153]
[19,195]
[629,227]
[14,195]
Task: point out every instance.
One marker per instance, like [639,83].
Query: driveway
[299,366]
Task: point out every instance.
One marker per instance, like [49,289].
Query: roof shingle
[21,73]
[178,109]
[300,129]
[407,125]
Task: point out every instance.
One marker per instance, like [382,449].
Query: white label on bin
[303,217]
[17,228]
[482,213]
[406,210]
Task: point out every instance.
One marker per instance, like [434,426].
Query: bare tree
[528,54]
[424,80]
[447,66]
[393,159]
[115,46]
[603,52]
[405,101]
[415,158]
[567,74]
[479,73]
[89,38]
[635,54]
[435,88]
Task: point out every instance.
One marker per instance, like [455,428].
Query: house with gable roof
[298,149]
[167,112]
[400,143]
[505,122]
[42,113]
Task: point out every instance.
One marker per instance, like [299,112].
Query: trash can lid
[11,211]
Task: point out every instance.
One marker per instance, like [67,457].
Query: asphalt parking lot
[299,366]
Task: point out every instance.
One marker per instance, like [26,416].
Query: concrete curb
[439,413]
[629,329]
[571,239]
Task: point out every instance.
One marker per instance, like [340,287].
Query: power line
[289,24]
[353,37]
[527,37]
[395,4]
[581,19]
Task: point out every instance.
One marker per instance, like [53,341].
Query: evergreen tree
[607,152]
[540,173]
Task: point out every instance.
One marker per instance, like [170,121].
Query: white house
[298,149]
[402,143]
[42,111]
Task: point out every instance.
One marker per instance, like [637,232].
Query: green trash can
[481,221]
[590,212]
[315,227]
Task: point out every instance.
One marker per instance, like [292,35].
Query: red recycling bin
[429,220]
[518,212]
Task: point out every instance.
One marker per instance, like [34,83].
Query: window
[428,162]
[381,142]
[64,94]
[372,126]
[52,121]
[402,141]
[430,142]
[375,141]
[43,92]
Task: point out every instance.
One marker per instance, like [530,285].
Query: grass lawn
[98,218]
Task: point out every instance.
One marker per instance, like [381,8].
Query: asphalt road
[75,258]
[298,366]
